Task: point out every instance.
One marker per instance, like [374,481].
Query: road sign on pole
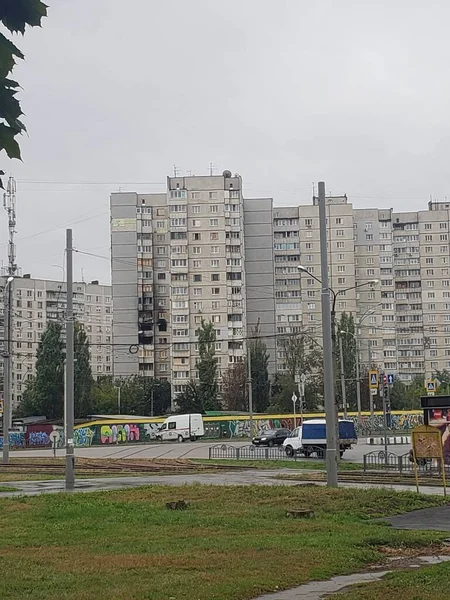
[430,386]
[373,380]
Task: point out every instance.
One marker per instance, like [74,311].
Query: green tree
[234,388]
[259,359]
[45,393]
[207,367]
[82,374]
[190,400]
[345,331]
[15,15]
[138,394]
[104,396]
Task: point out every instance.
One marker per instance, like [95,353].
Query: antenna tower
[9,204]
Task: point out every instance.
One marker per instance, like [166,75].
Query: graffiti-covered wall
[98,433]
[35,436]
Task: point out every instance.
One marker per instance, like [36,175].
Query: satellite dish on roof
[226,174]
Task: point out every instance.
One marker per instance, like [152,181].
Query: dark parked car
[272,437]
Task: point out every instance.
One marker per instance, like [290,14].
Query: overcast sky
[284,92]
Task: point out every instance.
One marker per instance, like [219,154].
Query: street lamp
[7,380]
[335,294]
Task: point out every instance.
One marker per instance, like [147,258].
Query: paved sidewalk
[247,477]
[427,518]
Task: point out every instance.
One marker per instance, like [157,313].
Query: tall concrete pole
[250,388]
[70,359]
[358,383]
[330,407]
[343,390]
[7,378]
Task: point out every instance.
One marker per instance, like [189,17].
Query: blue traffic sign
[390,378]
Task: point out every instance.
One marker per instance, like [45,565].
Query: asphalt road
[186,450]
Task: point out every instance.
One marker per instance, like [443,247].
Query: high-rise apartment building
[35,303]
[180,258]
[203,251]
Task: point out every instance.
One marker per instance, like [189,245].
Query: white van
[179,428]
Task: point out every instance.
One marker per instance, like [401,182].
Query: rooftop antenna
[314,190]
[212,166]
[9,204]
[176,171]
[82,274]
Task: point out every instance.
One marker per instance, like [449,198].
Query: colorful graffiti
[16,439]
[99,433]
[83,437]
[39,435]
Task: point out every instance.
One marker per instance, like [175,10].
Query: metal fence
[400,463]
[251,452]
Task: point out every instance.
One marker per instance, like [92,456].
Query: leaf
[8,143]
[10,83]
[17,14]
[9,106]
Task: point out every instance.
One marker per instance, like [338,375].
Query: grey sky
[285,92]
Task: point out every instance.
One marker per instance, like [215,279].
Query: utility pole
[250,388]
[358,383]
[69,383]
[7,378]
[330,407]
[371,402]
[344,395]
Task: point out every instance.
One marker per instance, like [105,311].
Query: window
[214,249]
[341,280]
[197,264]
[196,223]
[197,278]
[214,276]
[196,209]
[161,276]
[339,221]
[178,193]
[215,304]
[339,245]
[198,305]
[198,291]
[195,195]
[214,222]
[214,262]
[196,250]
[215,291]
[340,232]
[214,208]
[161,250]
[213,236]
[427,225]
[308,222]
[369,237]
[212,195]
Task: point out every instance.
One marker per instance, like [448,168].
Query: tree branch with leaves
[15,16]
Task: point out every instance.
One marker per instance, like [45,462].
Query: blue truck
[311,437]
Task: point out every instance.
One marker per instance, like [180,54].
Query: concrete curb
[391,440]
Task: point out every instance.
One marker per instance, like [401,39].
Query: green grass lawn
[231,544]
[429,583]
[5,488]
